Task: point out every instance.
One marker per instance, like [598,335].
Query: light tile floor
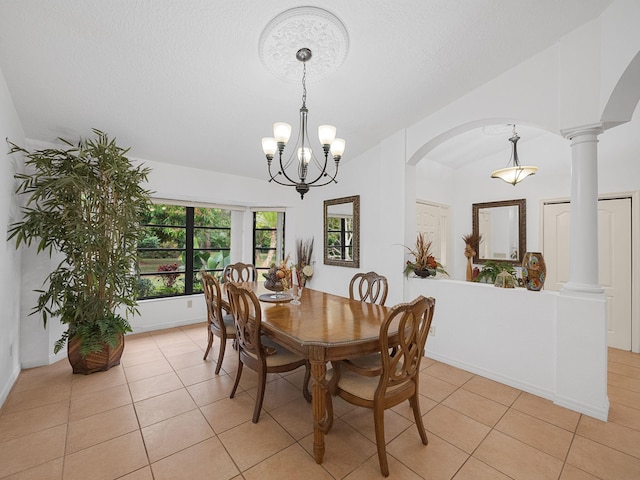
[164,414]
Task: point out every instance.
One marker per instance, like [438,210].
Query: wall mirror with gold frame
[342,231]
[503,226]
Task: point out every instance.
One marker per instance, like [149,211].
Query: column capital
[592,129]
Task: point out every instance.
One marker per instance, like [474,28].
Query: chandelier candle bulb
[304,155]
[326,134]
[337,148]
[282,132]
[269,146]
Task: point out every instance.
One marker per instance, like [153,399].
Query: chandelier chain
[304,84]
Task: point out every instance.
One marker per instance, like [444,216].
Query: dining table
[322,328]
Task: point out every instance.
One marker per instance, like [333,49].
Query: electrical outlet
[189,303]
[432,330]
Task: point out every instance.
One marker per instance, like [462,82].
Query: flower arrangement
[424,263]
[279,276]
[304,270]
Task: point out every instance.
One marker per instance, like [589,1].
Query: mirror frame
[355,263]
[522,228]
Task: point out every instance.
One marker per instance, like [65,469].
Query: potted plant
[424,263]
[85,202]
[491,269]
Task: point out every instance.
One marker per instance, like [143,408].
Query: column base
[573,287]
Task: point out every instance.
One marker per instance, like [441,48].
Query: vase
[297,293]
[422,273]
[469,275]
[534,271]
[274,286]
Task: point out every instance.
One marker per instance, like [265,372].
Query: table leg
[320,421]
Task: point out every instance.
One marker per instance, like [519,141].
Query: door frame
[635,253]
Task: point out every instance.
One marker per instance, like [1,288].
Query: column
[583,252]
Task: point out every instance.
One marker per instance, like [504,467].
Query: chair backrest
[239,272]
[369,287]
[212,294]
[247,317]
[402,355]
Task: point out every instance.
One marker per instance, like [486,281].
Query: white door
[614,240]
[433,219]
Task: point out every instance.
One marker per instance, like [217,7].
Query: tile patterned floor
[164,414]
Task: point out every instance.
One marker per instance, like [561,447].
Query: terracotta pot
[94,362]
[534,271]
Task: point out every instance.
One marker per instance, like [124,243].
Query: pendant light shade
[515,173]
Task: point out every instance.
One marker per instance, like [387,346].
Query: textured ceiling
[181,81]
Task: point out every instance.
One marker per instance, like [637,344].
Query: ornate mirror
[342,231]
[503,226]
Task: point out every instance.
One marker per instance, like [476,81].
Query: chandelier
[302,156]
[517,172]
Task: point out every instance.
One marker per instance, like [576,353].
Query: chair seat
[371,364]
[228,325]
[359,385]
[280,355]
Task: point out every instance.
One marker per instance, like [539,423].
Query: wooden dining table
[322,328]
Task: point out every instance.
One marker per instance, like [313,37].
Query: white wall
[378,177]
[10,128]
[522,339]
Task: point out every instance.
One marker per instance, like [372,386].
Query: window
[174,234]
[268,239]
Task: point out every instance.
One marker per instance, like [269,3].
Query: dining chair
[218,324]
[395,378]
[239,272]
[256,350]
[369,287]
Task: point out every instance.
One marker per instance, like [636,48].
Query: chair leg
[415,406]
[262,384]
[378,421]
[305,383]
[206,352]
[223,345]
[238,375]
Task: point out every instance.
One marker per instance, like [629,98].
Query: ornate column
[583,252]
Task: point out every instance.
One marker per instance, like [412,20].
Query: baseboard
[9,385]
[512,382]
[590,410]
[163,326]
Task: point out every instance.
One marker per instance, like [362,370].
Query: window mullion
[189,254]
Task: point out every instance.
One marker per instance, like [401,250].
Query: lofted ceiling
[181,81]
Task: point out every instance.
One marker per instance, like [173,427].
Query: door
[614,241]
[433,220]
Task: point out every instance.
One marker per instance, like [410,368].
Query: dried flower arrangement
[424,263]
[304,270]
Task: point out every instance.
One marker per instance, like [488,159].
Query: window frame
[280,237]
[190,228]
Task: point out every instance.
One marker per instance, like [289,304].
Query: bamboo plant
[84,201]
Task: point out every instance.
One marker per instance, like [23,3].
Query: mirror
[342,231]
[503,226]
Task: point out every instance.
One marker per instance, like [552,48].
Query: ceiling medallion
[303,27]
